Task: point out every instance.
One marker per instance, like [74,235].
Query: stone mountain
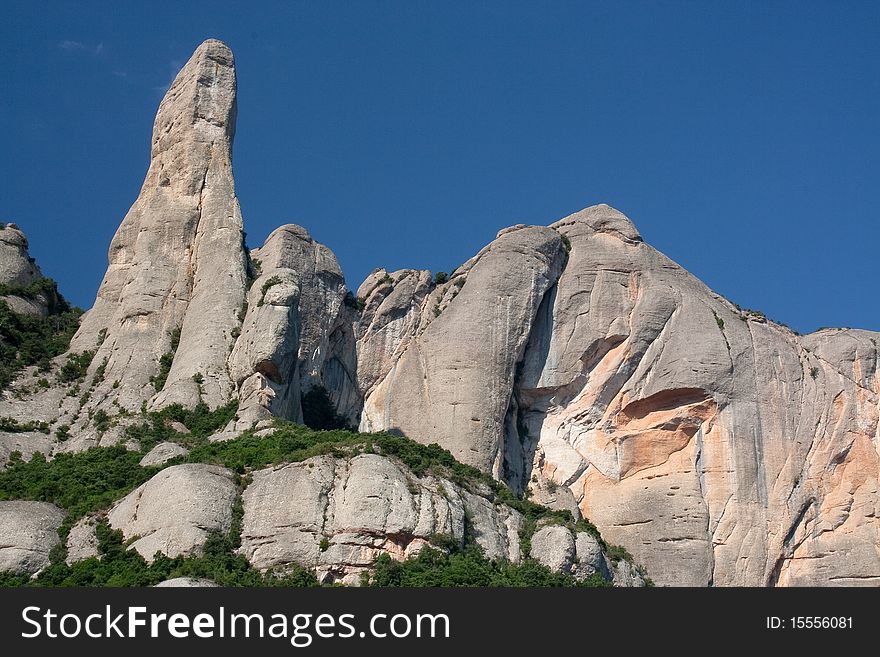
[573,362]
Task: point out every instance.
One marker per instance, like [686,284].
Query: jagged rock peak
[201,97]
[18,270]
[177,264]
[298,332]
[602,218]
[16,265]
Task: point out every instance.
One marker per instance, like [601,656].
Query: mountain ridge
[573,362]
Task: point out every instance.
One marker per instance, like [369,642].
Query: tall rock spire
[177,264]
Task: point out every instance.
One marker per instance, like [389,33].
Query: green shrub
[26,340]
[468,567]
[201,422]
[42,287]
[122,567]
[11,425]
[440,277]
[272,280]
[80,483]
[166,361]
[618,553]
[101,420]
[76,366]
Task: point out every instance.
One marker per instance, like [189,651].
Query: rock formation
[718,447]
[18,270]
[28,532]
[453,382]
[175,510]
[338,515]
[177,262]
[298,332]
[572,361]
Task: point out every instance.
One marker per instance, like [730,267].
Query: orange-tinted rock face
[717,447]
[720,449]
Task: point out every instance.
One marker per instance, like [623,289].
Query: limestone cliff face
[177,262]
[718,447]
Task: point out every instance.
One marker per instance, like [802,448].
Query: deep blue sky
[741,137]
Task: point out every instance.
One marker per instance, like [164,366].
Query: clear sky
[742,138]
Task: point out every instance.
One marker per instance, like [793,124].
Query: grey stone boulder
[28,532]
[337,515]
[554,547]
[187,583]
[175,510]
[162,453]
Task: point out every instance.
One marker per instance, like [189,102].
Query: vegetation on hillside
[89,482]
[467,567]
[27,340]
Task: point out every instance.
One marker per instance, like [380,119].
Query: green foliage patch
[26,340]
[468,567]
[201,422]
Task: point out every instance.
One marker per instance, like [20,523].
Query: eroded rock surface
[18,270]
[452,383]
[28,532]
[162,453]
[177,261]
[719,448]
[298,332]
[187,583]
[577,553]
[174,512]
[338,515]
[82,541]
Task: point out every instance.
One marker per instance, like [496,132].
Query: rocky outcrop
[577,553]
[82,540]
[338,514]
[28,532]
[187,583]
[174,512]
[453,383]
[162,453]
[298,332]
[18,270]
[718,447]
[177,264]
[393,304]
